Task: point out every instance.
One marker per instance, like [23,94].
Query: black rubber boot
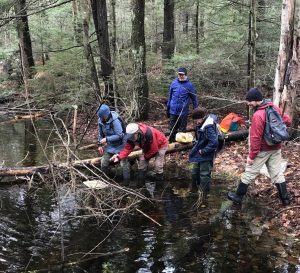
[141,178]
[237,196]
[105,170]
[195,182]
[283,194]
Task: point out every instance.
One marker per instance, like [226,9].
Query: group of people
[115,143]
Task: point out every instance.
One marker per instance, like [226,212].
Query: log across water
[173,147]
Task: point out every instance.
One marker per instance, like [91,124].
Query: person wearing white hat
[153,143]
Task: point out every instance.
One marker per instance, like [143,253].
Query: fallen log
[232,136]
[18,118]
[23,171]
[172,147]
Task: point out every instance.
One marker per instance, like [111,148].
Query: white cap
[132,128]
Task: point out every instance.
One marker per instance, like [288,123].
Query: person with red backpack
[260,152]
[153,143]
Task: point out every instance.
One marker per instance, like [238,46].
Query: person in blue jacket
[204,148]
[181,93]
[111,139]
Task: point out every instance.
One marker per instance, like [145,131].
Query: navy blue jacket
[206,141]
[180,94]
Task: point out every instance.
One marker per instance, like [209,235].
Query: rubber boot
[126,179]
[141,178]
[205,185]
[195,182]
[237,196]
[105,170]
[283,194]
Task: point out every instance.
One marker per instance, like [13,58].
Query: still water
[44,226]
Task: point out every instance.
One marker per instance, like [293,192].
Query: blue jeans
[201,174]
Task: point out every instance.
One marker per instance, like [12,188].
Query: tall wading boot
[105,170]
[237,196]
[283,194]
[141,178]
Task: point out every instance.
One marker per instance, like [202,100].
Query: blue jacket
[112,130]
[206,141]
[180,94]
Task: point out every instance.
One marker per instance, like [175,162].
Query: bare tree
[168,35]
[140,82]
[99,11]
[24,41]
[285,48]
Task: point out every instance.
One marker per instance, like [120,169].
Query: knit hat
[182,70]
[132,128]
[199,112]
[254,95]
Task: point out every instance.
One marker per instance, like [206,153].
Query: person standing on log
[153,143]
[260,152]
[204,148]
[181,92]
[111,139]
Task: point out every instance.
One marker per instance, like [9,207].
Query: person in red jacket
[260,152]
[153,143]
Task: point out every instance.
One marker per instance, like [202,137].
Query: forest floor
[230,164]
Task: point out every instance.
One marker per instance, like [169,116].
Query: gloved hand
[115,158]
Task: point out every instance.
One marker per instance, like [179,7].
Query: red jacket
[257,142]
[150,141]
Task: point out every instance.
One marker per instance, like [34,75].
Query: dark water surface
[40,227]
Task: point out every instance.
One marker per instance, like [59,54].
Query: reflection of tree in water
[30,145]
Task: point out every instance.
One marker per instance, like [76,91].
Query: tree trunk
[252,45]
[140,102]
[291,91]
[99,11]
[285,48]
[27,60]
[88,52]
[114,53]
[168,33]
[77,25]
[197,27]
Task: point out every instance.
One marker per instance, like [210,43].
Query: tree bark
[140,102]
[285,48]
[252,45]
[99,11]
[88,52]
[291,91]
[168,33]
[25,45]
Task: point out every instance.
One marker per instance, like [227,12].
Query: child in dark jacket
[204,148]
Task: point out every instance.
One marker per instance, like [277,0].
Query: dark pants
[201,174]
[177,124]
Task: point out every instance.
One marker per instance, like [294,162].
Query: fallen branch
[283,210]
[22,171]
[18,118]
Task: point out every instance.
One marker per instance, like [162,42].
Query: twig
[285,209]
[148,217]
